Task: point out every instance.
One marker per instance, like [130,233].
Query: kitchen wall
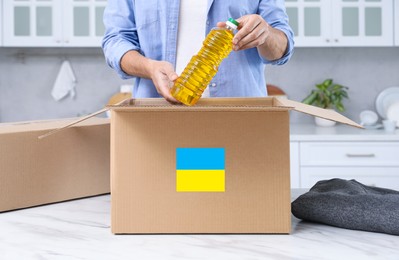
[27,76]
[366,71]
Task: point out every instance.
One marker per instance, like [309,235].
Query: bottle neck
[231,25]
[229,28]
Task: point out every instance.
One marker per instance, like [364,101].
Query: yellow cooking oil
[202,67]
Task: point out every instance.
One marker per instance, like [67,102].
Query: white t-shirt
[191,33]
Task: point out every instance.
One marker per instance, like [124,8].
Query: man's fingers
[245,31]
[165,92]
[257,36]
[248,45]
[172,76]
[164,89]
[163,76]
[221,24]
[246,27]
[170,98]
[253,32]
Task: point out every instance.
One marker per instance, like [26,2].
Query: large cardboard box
[71,165]
[221,166]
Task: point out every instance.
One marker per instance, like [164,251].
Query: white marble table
[80,229]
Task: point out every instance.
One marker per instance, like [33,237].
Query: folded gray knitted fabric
[350,204]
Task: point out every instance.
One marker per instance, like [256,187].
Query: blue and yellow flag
[200,170]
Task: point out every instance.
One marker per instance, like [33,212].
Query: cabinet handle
[365,155]
[336,40]
[327,40]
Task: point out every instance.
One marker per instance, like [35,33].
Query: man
[150,39]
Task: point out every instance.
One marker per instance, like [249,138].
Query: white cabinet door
[294,165]
[53,23]
[83,22]
[1,23]
[396,25]
[371,163]
[362,22]
[341,22]
[349,154]
[310,21]
[32,23]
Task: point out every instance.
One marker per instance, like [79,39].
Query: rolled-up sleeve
[120,33]
[274,13]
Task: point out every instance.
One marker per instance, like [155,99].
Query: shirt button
[207,22]
[213,84]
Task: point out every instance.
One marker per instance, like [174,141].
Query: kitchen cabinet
[371,163]
[310,21]
[32,23]
[83,22]
[368,156]
[1,22]
[51,23]
[341,22]
[396,25]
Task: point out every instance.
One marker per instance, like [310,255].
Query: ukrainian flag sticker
[200,170]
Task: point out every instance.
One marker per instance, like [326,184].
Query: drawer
[383,177]
[349,154]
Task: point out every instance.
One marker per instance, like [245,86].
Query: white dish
[385,99]
[368,117]
[393,112]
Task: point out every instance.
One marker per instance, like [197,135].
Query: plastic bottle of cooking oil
[202,67]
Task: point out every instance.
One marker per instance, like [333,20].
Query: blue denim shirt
[150,27]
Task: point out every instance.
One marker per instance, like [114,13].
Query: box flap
[45,125]
[74,122]
[204,104]
[105,109]
[316,111]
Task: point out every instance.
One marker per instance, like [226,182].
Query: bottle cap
[232,23]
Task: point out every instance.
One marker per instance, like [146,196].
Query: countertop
[339,132]
[80,229]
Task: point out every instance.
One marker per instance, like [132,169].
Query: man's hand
[254,31]
[163,75]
